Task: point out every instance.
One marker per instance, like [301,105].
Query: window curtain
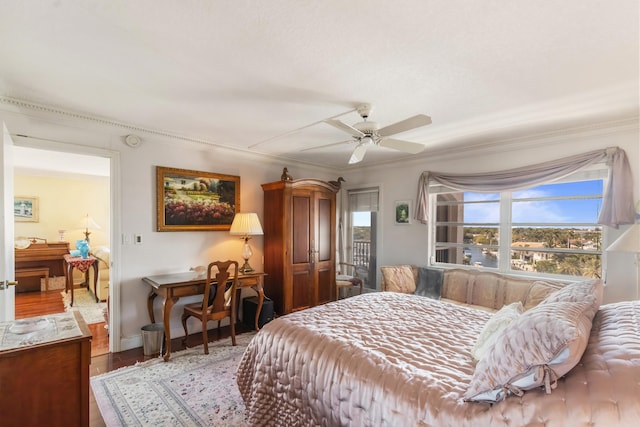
[617,203]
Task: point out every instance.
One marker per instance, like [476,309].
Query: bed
[390,359]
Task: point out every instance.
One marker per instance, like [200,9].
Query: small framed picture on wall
[403,212]
[25,209]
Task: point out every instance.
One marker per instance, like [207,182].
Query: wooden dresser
[299,243]
[47,384]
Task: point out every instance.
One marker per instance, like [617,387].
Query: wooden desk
[82,264]
[171,287]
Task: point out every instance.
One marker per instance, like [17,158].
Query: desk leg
[95,280]
[259,289]
[168,304]
[150,298]
[259,309]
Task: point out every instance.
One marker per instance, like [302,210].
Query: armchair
[349,276]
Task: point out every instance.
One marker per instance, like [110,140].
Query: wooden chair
[216,307]
[346,280]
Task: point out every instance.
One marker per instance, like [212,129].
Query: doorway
[362,232]
[67,188]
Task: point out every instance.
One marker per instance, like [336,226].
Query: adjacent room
[320,213]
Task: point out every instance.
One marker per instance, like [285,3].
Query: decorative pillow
[399,278]
[429,282]
[536,349]
[538,291]
[494,327]
[578,291]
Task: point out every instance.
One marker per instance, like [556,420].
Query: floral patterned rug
[85,303]
[192,389]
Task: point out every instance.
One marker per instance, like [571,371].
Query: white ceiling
[248,74]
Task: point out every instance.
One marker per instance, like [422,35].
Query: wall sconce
[245,225]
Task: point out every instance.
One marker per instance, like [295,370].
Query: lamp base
[246,268]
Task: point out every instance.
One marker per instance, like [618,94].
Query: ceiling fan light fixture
[366,140]
[368,133]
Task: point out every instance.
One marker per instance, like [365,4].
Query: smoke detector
[132,140]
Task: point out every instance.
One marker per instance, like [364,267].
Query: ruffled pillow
[494,327]
[578,291]
[536,349]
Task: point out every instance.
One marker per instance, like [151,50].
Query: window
[550,229]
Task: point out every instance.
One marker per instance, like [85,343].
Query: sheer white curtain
[617,203]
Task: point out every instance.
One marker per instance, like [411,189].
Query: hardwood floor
[41,303]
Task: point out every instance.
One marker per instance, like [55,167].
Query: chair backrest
[346,268]
[226,271]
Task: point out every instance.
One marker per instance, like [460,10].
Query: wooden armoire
[299,243]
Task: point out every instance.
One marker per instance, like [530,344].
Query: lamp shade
[246,224]
[628,242]
[88,223]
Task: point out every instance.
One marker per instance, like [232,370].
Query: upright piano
[40,254]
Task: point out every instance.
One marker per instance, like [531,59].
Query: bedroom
[496,106]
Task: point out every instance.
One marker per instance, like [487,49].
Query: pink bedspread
[390,359]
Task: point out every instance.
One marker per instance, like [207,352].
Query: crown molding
[23,107]
[489,143]
[465,142]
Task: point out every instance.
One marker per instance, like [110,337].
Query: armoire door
[302,254]
[324,247]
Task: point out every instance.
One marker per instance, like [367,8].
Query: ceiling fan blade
[405,125]
[358,154]
[344,127]
[405,146]
[327,145]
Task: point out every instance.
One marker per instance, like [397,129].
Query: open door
[7,265]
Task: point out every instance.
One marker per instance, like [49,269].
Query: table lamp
[630,242]
[88,223]
[245,225]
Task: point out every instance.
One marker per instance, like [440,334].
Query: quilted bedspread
[390,359]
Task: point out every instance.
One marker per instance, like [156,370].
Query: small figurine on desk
[285,175]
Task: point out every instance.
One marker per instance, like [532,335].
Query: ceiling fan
[367,133]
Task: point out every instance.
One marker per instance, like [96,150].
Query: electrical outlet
[137,239]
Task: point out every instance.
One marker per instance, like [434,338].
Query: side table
[83,265]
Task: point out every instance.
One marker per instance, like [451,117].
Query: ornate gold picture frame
[190,200]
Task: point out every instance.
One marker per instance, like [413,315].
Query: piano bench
[42,272]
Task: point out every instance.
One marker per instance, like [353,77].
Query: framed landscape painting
[195,201]
[25,209]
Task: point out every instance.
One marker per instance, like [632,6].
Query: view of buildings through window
[549,229]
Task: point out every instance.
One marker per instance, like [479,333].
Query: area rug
[191,389]
[85,303]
